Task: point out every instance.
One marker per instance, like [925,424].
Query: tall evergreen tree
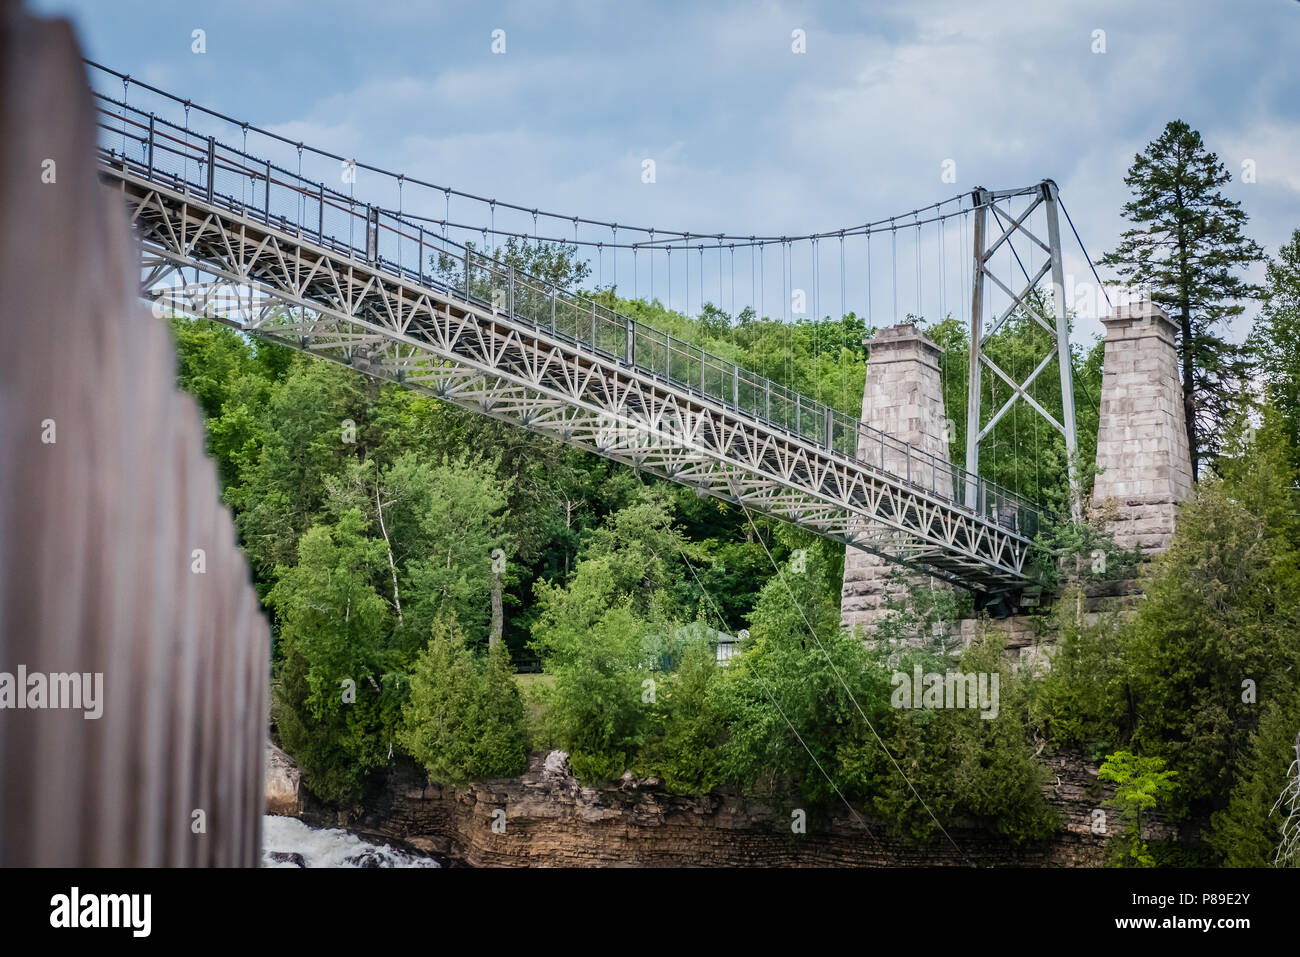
[1275,340]
[1186,249]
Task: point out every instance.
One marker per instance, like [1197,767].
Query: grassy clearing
[535,689]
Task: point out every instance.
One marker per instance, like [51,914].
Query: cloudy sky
[747,136]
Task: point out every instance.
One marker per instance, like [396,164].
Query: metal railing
[221,175]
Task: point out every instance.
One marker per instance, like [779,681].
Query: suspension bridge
[383,284]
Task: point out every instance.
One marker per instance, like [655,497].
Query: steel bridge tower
[1056,324]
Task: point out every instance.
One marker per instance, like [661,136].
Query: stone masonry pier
[1142,455]
[1142,450]
[904,398]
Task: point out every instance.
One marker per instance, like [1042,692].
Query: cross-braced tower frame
[998,205]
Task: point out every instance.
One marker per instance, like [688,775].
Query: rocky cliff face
[546,818]
[282,783]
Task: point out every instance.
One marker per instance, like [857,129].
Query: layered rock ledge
[547,818]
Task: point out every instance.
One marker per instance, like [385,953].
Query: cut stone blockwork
[903,397]
[1142,447]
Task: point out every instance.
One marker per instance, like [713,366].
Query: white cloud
[749,137]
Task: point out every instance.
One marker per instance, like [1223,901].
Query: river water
[327,847]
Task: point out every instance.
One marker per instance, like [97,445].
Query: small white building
[728,648]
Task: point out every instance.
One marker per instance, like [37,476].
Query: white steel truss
[303,294]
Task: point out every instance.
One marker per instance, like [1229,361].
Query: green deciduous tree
[209,356]
[603,686]
[1141,783]
[443,523]
[311,432]
[604,633]
[633,559]
[334,705]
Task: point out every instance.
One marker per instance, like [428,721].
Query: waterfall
[287,842]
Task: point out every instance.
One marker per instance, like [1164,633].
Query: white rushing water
[327,847]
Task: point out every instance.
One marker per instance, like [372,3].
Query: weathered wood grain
[98,529]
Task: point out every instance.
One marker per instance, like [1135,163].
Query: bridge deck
[295,262]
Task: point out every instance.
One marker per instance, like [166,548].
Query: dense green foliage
[464,719]
[1248,832]
[1023,452]
[333,631]
[684,729]
[373,517]
[603,633]
[1275,340]
[810,706]
[1205,676]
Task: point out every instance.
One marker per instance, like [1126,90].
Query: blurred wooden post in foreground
[116,556]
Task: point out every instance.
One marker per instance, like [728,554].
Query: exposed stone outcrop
[283,783]
[550,819]
[556,765]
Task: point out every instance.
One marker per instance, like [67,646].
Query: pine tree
[1185,249]
[464,720]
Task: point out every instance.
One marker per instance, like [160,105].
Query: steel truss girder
[321,301]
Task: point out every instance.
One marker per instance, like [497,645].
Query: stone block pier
[903,397]
[1142,451]
[1142,454]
